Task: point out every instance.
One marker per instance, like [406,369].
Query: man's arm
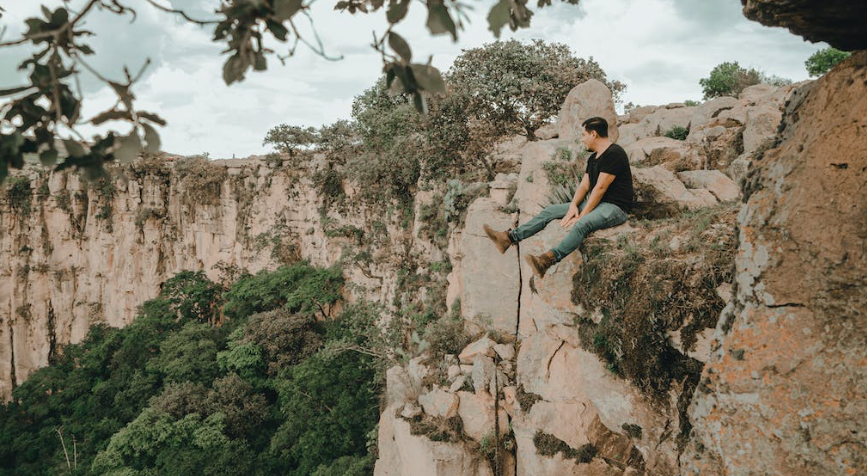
[598,192]
[602,184]
[580,192]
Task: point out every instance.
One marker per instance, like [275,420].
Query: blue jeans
[605,215]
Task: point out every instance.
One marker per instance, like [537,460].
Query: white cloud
[659,48]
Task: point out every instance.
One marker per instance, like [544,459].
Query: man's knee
[548,211]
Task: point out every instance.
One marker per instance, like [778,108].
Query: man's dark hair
[596,124]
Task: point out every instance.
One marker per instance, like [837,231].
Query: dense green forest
[269,388]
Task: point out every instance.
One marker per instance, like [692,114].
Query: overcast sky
[659,48]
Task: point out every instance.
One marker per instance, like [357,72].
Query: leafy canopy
[823,60]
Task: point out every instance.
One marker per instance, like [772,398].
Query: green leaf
[399,45]
[439,21]
[498,17]
[397,10]
[234,69]
[152,138]
[85,49]
[284,9]
[59,17]
[48,157]
[277,29]
[128,148]
[520,15]
[429,78]
[260,63]
[73,148]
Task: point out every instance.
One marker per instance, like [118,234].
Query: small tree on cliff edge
[518,87]
[822,61]
[728,79]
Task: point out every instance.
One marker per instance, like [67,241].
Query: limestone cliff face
[74,254]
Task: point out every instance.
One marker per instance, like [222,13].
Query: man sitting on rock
[608,180]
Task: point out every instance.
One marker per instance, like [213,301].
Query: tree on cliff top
[730,78]
[519,87]
[47,110]
[823,60]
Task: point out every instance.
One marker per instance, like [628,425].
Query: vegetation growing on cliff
[646,289]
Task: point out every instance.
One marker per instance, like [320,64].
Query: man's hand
[571,221]
[571,216]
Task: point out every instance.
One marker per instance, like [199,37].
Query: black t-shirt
[613,161]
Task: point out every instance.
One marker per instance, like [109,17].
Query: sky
[658,48]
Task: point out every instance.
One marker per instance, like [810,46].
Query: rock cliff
[555,383]
[645,353]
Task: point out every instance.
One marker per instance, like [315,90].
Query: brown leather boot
[541,263]
[500,238]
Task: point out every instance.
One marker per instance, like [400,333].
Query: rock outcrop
[784,390]
[543,388]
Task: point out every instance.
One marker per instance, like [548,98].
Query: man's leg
[605,215]
[537,223]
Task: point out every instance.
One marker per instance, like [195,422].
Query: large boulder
[439,403]
[783,390]
[708,111]
[657,123]
[489,281]
[761,126]
[658,186]
[722,187]
[533,186]
[402,453]
[655,150]
[580,402]
[588,99]
[477,413]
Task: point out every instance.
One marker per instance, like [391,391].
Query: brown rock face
[784,393]
[838,22]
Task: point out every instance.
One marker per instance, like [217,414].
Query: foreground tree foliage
[273,390]
[46,111]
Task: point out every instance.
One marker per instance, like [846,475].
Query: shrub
[19,195]
[192,295]
[549,445]
[677,132]
[298,288]
[289,139]
[823,60]
[643,297]
[201,181]
[728,79]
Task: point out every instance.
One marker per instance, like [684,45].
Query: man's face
[587,139]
